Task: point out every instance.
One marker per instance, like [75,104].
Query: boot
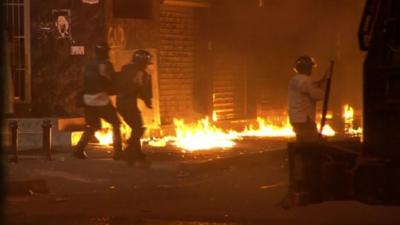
[80,147]
[117,144]
[80,154]
[134,151]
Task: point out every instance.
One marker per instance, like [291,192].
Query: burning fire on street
[348,117]
[205,134]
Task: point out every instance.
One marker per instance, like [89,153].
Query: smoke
[274,35]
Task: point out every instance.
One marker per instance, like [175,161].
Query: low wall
[30,133]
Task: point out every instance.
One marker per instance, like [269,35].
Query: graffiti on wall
[91,2]
[116,36]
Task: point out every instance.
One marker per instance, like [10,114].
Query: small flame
[105,135]
[214,116]
[348,114]
[278,129]
[348,117]
[75,136]
[328,130]
[269,129]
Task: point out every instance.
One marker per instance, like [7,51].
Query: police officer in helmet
[303,94]
[132,83]
[96,102]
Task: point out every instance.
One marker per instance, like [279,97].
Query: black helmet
[102,51]
[304,65]
[142,57]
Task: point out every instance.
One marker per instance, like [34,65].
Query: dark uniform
[96,102]
[132,83]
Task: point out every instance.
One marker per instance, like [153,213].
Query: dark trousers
[93,114]
[306,132]
[127,108]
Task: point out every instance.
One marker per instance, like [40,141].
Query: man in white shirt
[303,95]
[98,86]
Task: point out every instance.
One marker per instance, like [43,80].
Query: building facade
[232,58]
[51,41]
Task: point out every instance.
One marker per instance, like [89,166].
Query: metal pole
[326,97]
[13,126]
[47,138]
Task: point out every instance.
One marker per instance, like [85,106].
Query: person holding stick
[303,94]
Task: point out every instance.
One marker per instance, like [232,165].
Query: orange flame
[214,116]
[278,129]
[104,135]
[202,135]
[269,129]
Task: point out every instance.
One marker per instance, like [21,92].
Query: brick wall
[192,67]
[178,30]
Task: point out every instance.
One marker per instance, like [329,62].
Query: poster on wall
[62,22]
[90,1]
[77,50]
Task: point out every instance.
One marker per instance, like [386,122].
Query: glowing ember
[202,135]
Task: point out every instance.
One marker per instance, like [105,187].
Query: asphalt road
[221,187]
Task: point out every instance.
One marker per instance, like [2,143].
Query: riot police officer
[132,83]
[96,102]
[303,95]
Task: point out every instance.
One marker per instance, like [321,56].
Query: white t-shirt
[102,98]
[303,95]
[98,99]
